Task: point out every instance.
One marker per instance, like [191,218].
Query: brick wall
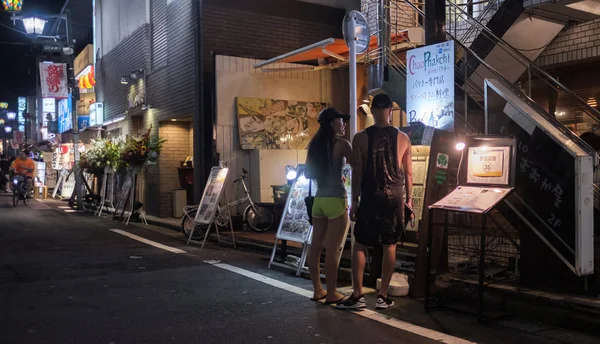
[577,43]
[265,29]
[175,149]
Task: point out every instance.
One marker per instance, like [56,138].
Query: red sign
[54,80]
[19,137]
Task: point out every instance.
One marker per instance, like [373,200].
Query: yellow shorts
[329,207]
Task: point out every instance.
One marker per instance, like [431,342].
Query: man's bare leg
[358,268]
[389,263]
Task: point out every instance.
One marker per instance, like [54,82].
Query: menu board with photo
[488,165]
[294,225]
[212,195]
[276,124]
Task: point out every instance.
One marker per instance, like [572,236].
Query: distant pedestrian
[4,171]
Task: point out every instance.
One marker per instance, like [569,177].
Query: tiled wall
[576,43]
[175,149]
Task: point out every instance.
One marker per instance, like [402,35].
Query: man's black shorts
[380,219]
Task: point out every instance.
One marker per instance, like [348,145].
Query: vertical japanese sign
[65,119]
[430,85]
[22,106]
[53,79]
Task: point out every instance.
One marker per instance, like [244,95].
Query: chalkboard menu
[294,225]
[212,195]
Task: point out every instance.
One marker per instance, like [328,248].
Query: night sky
[17,54]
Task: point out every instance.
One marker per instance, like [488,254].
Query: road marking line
[366,313]
[149,242]
[63,207]
[70,210]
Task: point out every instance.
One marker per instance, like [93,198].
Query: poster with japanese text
[430,85]
[212,195]
[53,79]
[294,225]
[488,165]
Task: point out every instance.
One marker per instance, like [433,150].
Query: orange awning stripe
[338,47]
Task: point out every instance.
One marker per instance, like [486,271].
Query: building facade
[155,69]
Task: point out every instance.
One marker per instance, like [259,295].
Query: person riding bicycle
[24,166]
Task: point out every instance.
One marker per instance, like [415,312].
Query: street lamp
[34,25]
[11,116]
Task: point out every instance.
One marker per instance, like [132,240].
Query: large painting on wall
[276,124]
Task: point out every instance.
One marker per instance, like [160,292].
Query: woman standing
[327,155]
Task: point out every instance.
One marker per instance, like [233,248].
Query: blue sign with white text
[65,119]
[83,122]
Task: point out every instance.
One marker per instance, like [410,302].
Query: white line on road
[71,210]
[379,317]
[63,207]
[146,241]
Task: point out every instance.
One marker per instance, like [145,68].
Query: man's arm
[407,167]
[357,167]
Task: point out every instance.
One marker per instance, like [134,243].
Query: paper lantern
[80,82]
[12,5]
[64,149]
[86,82]
[91,78]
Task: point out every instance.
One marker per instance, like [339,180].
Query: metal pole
[352,76]
[74,99]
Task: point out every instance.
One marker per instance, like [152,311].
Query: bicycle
[258,217]
[19,190]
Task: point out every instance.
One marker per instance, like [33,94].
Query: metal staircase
[474,40]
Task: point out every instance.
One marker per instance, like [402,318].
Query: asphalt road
[67,278]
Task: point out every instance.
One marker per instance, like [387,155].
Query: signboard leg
[205,235]
[481,285]
[61,178]
[131,198]
[102,193]
[273,253]
[305,248]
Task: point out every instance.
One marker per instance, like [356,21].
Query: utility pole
[74,99]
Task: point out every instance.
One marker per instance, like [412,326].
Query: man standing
[382,169]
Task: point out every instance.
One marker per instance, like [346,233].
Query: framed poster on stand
[294,225]
[209,203]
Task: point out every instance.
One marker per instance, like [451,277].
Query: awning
[331,48]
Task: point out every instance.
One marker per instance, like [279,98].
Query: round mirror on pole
[355,27]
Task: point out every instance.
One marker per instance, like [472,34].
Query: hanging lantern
[12,5]
[91,77]
[80,82]
[86,82]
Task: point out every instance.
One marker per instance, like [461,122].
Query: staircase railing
[533,71]
[464,54]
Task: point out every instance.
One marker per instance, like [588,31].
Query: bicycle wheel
[15,196]
[25,195]
[188,224]
[260,220]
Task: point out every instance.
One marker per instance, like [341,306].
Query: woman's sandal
[319,299]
